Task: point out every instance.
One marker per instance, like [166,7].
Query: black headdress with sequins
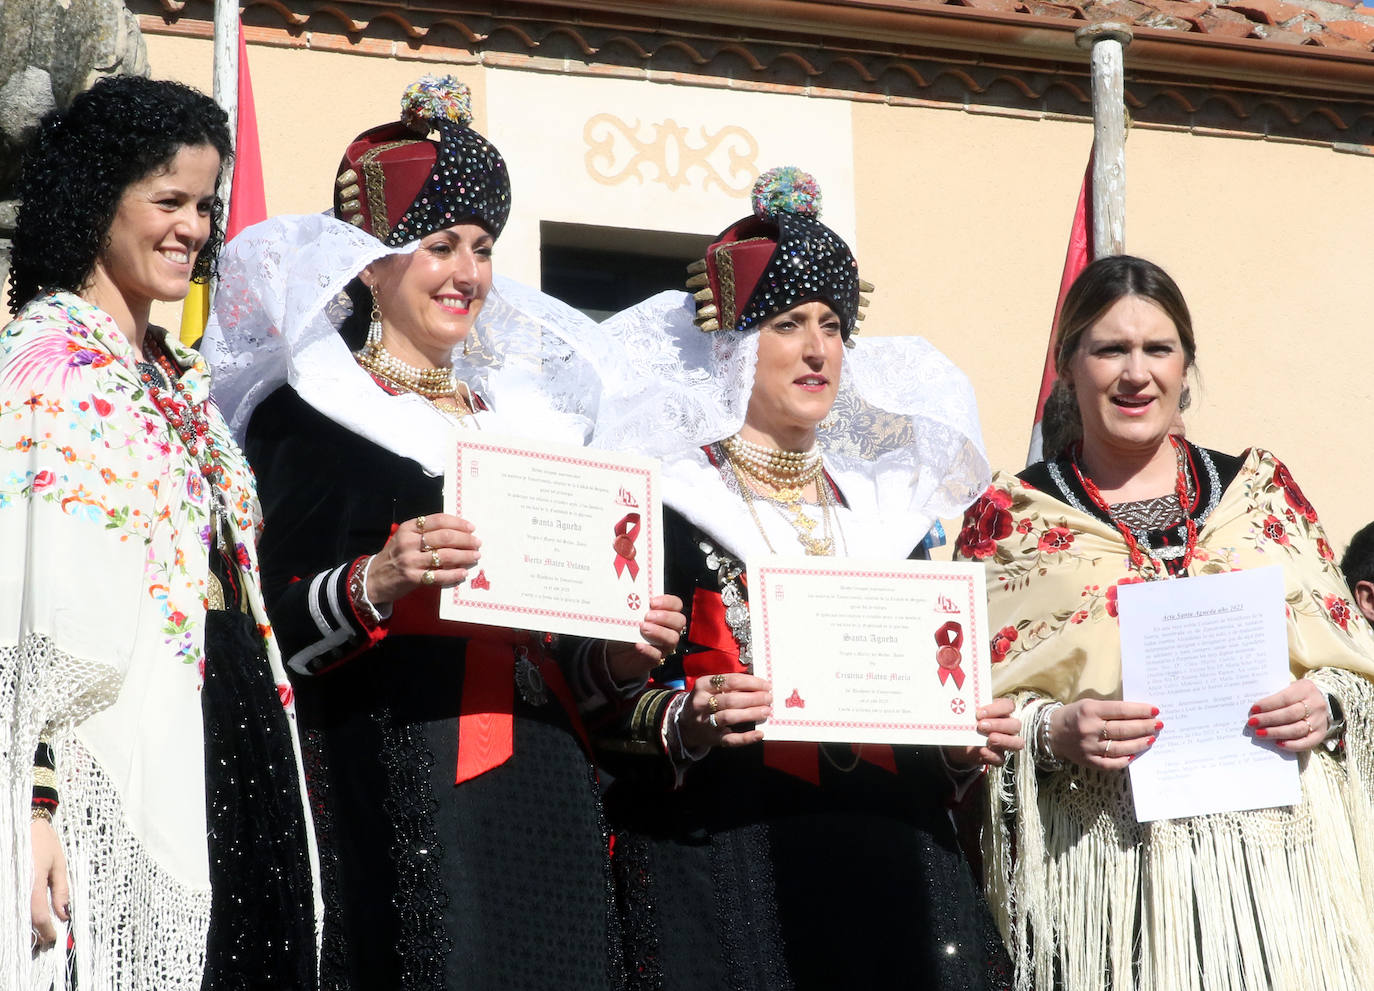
[400,185]
[778,258]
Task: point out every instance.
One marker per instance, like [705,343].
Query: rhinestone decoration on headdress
[397,169]
[780,257]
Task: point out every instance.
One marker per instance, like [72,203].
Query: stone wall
[51,50]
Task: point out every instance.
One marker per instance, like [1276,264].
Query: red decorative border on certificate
[781,719]
[466,444]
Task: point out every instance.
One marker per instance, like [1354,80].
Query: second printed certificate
[572,538]
[871,651]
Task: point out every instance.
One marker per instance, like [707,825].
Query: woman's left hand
[1003,730]
[661,629]
[1294,718]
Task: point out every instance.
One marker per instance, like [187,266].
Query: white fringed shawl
[1089,899]
[104,525]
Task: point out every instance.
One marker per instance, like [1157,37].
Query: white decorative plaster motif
[666,153]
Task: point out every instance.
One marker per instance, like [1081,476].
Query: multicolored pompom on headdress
[399,184]
[778,258]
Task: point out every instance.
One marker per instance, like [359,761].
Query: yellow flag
[195,313]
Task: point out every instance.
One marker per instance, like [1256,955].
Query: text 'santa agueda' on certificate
[1204,650]
[863,651]
[572,537]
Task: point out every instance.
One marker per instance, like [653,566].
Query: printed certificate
[871,651]
[572,538]
[1205,649]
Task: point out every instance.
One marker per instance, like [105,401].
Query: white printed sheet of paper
[1204,650]
[871,651]
[572,537]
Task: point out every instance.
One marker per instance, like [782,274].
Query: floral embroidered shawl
[105,521]
[1087,897]
[1053,574]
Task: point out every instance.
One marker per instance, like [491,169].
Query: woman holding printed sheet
[1088,897]
[459,820]
[744,863]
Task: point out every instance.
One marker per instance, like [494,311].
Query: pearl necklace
[786,471]
[432,383]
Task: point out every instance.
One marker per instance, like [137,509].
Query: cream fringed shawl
[105,526]
[1086,897]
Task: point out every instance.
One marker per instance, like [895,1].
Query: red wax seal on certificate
[795,701]
[626,531]
[481,581]
[948,639]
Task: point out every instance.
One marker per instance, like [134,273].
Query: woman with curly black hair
[137,667]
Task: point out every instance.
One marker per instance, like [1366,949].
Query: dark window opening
[602,270]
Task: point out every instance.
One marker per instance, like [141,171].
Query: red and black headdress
[399,184]
[780,257]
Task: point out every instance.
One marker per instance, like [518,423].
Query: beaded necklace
[787,473]
[1181,490]
[172,399]
[432,383]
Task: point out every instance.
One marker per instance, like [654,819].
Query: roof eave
[1286,68]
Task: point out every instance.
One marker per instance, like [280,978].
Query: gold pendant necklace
[787,500]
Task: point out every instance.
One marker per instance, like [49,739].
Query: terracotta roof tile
[1330,39]
[1334,24]
[1362,31]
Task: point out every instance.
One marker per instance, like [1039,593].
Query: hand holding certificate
[1204,650]
[871,651]
[572,539]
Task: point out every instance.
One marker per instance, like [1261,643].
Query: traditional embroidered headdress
[399,184]
[776,259]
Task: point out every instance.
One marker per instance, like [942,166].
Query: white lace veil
[905,443]
[278,308]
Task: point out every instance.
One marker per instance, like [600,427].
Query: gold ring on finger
[1308,724]
[1104,734]
[1305,711]
[713,703]
[420,523]
[424,545]
[434,560]
[717,681]
[427,578]
[1108,751]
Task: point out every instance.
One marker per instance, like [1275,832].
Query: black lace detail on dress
[422,942]
[262,910]
[638,909]
[616,976]
[333,947]
[747,914]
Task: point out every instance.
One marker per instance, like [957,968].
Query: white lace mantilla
[905,446]
[276,316]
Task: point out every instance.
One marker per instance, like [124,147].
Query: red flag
[1076,258]
[247,199]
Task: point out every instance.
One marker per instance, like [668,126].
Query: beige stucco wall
[964,220]
[961,220]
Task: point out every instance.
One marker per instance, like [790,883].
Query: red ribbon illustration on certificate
[948,639]
[626,531]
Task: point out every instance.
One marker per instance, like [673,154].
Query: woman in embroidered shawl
[458,814]
[1089,898]
[762,865]
[133,638]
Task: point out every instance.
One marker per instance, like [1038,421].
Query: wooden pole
[1107,42]
[226,90]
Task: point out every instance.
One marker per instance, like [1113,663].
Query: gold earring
[374,329]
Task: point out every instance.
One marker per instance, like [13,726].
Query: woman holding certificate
[458,816]
[1088,897]
[749,864]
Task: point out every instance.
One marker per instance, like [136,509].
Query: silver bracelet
[1045,758]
